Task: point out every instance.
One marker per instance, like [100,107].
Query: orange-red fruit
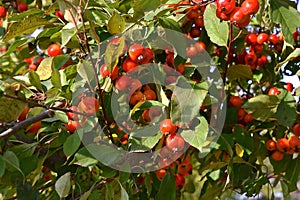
[251,38]
[274,39]
[32,67]
[200,46]
[160,174]
[150,94]
[250,58]
[262,61]
[129,65]
[72,115]
[135,84]
[89,105]
[185,169]
[250,7]
[241,114]
[222,15]
[179,181]
[289,86]
[271,145]
[104,71]
[235,101]
[60,15]
[175,143]
[72,126]
[34,128]
[262,38]
[136,52]
[282,144]
[3,12]
[54,50]
[24,113]
[248,118]
[191,51]
[22,7]
[239,18]
[294,142]
[296,130]
[136,97]
[277,155]
[225,6]
[274,91]
[167,127]
[122,83]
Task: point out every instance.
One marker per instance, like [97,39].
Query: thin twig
[27,122]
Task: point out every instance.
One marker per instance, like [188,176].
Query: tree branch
[27,122]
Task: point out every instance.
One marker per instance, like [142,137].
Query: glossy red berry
[274,91]
[122,83]
[54,50]
[72,115]
[271,145]
[250,58]
[32,67]
[262,61]
[235,101]
[22,7]
[273,39]
[296,129]
[282,144]
[72,126]
[239,18]
[175,143]
[225,6]
[251,39]
[167,127]
[222,16]
[262,38]
[3,12]
[129,65]
[136,52]
[59,15]
[289,86]
[250,7]
[277,155]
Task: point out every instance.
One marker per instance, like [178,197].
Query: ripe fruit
[150,95]
[271,145]
[192,14]
[277,155]
[185,169]
[296,129]
[273,39]
[149,56]
[294,142]
[135,84]
[262,38]
[24,113]
[129,65]
[136,97]
[235,101]
[274,91]
[60,15]
[251,39]
[72,125]
[250,58]
[191,51]
[262,61]
[136,52]
[248,118]
[241,114]
[89,105]
[72,115]
[3,12]
[289,86]
[222,16]
[282,144]
[22,7]
[225,6]
[167,127]
[104,71]
[175,143]
[32,67]
[34,128]
[239,18]
[195,32]
[122,83]
[250,7]
[54,50]
[200,46]
[160,174]
[179,181]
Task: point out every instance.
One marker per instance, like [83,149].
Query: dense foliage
[140,99]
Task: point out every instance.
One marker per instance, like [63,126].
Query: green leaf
[24,150]
[86,195]
[291,56]
[26,26]
[292,173]
[286,112]
[67,33]
[216,30]
[35,80]
[144,6]
[86,71]
[169,23]
[112,53]
[14,107]
[167,188]
[25,192]
[285,15]
[72,144]
[84,158]
[17,44]
[262,107]
[239,71]
[62,116]
[12,161]
[55,78]
[197,137]
[116,24]
[63,185]
[2,166]
[183,111]
[124,195]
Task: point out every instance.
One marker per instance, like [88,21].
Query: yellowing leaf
[116,24]
[239,150]
[44,70]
